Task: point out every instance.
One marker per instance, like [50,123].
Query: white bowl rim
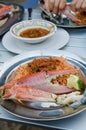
[32,39]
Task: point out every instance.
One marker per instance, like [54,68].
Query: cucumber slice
[74,82]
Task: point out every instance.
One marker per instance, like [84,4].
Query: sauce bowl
[37,25]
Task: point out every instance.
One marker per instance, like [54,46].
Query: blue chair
[30,3]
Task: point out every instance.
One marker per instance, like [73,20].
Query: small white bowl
[36,23]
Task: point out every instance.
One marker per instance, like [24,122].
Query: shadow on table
[15,126]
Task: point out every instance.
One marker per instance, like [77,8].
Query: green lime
[74,82]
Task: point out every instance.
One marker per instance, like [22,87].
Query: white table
[77,45]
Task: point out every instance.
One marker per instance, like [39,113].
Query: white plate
[32,114]
[59,40]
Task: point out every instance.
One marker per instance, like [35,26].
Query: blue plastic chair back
[30,3]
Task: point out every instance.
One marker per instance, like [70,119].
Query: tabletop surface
[76,45]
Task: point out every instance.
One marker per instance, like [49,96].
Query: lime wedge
[74,82]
